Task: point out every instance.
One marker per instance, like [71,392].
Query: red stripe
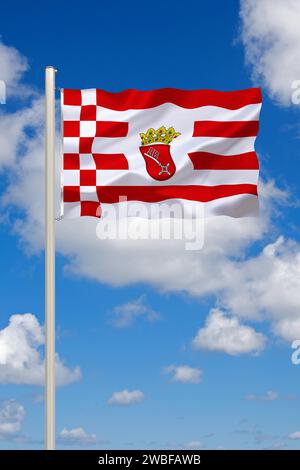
[111,129]
[136,99]
[111,194]
[225,129]
[110,161]
[212,161]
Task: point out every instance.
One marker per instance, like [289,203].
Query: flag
[161,146]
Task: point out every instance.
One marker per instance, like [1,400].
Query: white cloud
[259,288]
[288,328]
[125,314]
[184,374]
[77,436]
[295,435]
[266,287]
[12,415]
[13,65]
[126,398]
[271,395]
[21,361]
[223,333]
[14,141]
[271,36]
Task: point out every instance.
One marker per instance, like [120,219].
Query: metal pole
[50,260]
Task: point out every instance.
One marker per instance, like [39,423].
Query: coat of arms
[155,148]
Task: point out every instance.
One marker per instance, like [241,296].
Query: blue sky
[243,399]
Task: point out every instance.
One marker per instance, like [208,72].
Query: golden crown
[162,135]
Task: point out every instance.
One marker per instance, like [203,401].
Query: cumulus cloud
[271,395]
[288,328]
[77,437]
[184,374]
[271,36]
[267,286]
[12,415]
[126,398]
[243,287]
[124,315]
[227,334]
[13,66]
[14,141]
[21,360]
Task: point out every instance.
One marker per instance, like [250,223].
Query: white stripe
[203,113]
[214,113]
[184,178]
[240,205]
[225,145]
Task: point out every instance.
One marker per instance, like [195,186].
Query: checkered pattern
[81,127]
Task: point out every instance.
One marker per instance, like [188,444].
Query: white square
[87,128]
[87,162]
[71,144]
[72,210]
[88,193]
[99,114]
[88,97]
[109,177]
[71,113]
[71,178]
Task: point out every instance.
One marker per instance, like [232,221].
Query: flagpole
[50,259]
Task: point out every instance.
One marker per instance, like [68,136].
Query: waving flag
[160,146]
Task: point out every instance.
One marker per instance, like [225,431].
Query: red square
[98,97]
[71,193]
[88,113]
[71,129]
[111,129]
[71,161]
[72,97]
[85,144]
[90,208]
[87,177]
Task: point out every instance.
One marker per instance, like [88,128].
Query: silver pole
[50,260]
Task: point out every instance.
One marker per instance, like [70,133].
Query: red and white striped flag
[164,145]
